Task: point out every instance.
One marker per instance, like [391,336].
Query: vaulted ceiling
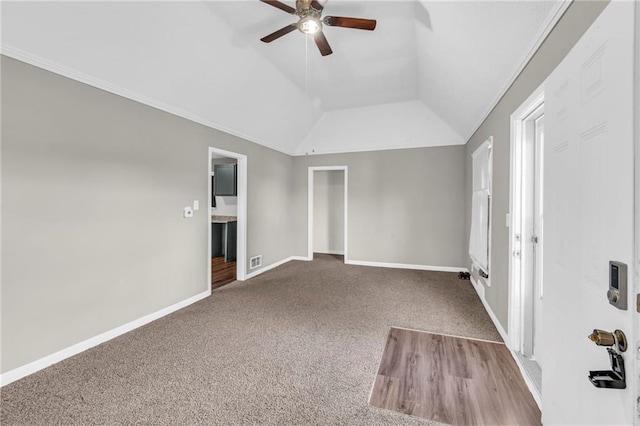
[427,76]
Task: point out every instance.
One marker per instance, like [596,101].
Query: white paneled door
[589,220]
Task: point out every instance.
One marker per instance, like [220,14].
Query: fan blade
[277,34]
[317,5]
[357,23]
[280,5]
[322,43]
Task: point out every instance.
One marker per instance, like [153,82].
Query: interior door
[589,208]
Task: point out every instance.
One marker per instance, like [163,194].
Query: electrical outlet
[187,212]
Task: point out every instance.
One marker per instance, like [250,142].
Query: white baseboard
[269,267]
[406,266]
[340,252]
[505,336]
[32,367]
[303,258]
[276,264]
[525,375]
[480,290]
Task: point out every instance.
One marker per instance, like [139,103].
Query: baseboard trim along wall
[480,290]
[303,258]
[268,267]
[507,342]
[407,266]
[276,264]
[35,366]
[527,379]
[338,252]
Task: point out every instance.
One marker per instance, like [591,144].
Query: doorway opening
[526,238]
[227,201]
[327,211]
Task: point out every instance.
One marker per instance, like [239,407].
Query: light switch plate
[187,212]
[196,204]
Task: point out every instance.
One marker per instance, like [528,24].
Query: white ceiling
[427,76]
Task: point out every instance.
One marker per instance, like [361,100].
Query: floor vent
[255,262]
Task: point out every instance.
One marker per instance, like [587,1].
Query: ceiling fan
[310,22]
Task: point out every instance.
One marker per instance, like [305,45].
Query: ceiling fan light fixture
[309,25]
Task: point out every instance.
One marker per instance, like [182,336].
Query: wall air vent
[255,262]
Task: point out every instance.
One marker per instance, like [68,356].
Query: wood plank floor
[222,272]
[452,380]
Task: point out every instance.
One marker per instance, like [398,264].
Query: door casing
[516,221]
[241,258]
[310,190]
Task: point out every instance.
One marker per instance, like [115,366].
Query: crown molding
[558,10]
[98,83]
[373,149]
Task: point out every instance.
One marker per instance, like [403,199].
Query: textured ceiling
[426,76]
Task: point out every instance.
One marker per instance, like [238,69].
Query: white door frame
[241,257]
[310,207]
[515,222]
[636,256]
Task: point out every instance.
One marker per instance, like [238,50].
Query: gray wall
[567,32]
[93,187]
[404,206]
[328,211]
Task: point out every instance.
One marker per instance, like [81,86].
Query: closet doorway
[327,227]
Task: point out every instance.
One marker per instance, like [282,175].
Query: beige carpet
[297,345]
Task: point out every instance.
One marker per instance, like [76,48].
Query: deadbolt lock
[616,377]
[605,338]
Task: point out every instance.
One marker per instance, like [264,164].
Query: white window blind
[481,206]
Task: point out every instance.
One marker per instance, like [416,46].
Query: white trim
[480,290]
[505,337]
[474,262]
[375,149]
[559,9]
[636,273]
[310,207]
[527,379]
[241,256]
[208,262]
[518,118]
[448,335]
[301,258]
[62,70]
[32,367]
[269,267]
[338,252]
[406,266]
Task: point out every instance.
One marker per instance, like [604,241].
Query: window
[481,206]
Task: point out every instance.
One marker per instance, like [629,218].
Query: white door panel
[589,208]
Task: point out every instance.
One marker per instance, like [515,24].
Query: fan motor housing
[304,7]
